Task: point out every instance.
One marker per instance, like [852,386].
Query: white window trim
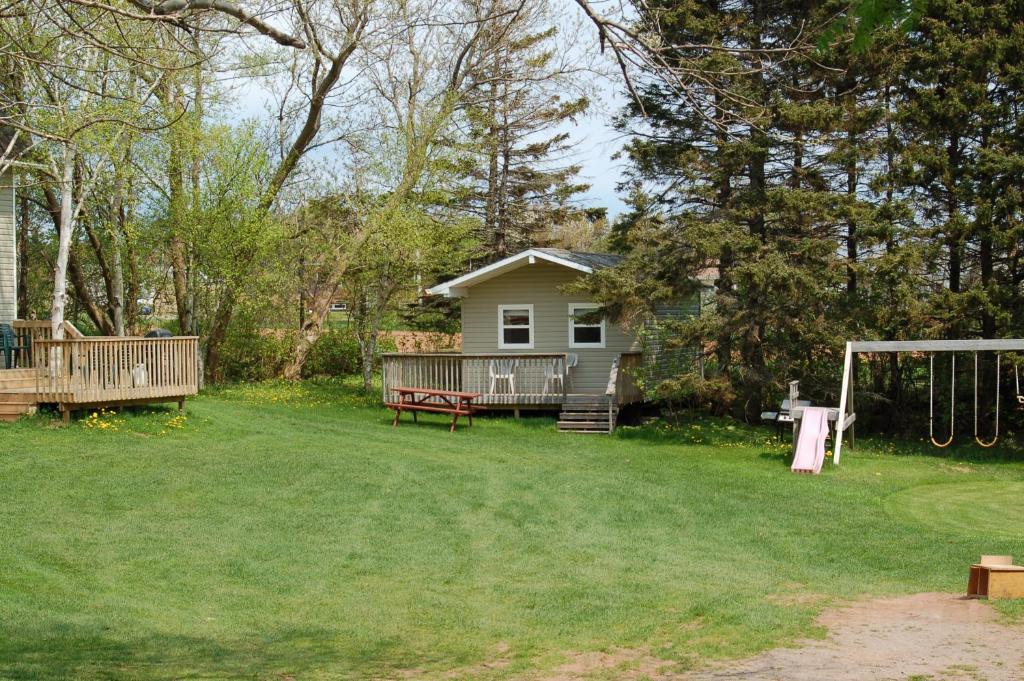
[501,328]
[572,323]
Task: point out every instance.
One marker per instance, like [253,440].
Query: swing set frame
[847,416]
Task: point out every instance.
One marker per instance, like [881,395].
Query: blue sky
[597,143]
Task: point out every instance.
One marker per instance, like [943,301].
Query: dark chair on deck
[14,350]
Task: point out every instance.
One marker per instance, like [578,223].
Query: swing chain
[931,399]
[995,436]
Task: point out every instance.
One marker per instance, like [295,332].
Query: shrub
[254,354]
[336,353]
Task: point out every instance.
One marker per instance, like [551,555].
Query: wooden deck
[86,372]
[472,373]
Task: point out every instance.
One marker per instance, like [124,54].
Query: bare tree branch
[178,8]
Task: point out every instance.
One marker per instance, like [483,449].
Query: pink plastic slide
[810,444]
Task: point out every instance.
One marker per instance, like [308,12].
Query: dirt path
[924,637]
[928,636]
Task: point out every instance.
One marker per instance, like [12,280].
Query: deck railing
[36,330]
[627,390]
[115,369]
[528,382]
[482,373]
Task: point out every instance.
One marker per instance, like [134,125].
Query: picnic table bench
[452,402]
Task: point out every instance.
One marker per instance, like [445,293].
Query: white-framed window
[584,330]
[515,327]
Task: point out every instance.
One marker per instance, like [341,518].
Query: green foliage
[253,352]
[433,313]
[866,17]
[716,394]
[335,353]
[849,194]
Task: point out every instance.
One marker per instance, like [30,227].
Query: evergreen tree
[849,193]
[736,181]
[517,178]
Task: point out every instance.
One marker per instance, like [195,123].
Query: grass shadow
[782,458]
[75,651]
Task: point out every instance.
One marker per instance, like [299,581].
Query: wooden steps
[17,393]
[17,378]
[9,413]
[587,414]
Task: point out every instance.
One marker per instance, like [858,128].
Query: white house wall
[539,285]
[8,251]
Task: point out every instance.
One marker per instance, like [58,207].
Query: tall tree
[731,179]
[519,178]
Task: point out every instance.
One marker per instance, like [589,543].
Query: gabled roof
[594,261]
[583,262]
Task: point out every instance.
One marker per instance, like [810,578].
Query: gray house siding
[662,360]
[540,285]
[8,250]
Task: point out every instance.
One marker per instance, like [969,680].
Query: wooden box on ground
[996,581]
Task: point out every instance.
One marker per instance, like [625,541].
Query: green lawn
[289,531]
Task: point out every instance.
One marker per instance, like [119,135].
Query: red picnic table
[452,402]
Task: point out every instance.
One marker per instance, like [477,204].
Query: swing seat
[931,402]
[995,433]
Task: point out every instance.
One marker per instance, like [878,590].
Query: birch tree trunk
[23,233]
[67,224]
[117,283]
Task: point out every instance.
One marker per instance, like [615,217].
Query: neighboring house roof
[583,262]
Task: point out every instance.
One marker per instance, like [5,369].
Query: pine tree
[517,177]
[736,181]
[960,158]
[849,193]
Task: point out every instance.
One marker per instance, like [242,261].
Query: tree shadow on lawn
[431,422]
[532,420]
[65,651]
[712,435]
[782,458]
[51,412]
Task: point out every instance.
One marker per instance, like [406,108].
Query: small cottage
[529,343]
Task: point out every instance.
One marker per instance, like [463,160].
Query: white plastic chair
[503,370]
[557,371]
[554,376]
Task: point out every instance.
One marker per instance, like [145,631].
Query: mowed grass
[289,531]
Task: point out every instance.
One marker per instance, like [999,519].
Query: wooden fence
[532,382]
[109,370]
